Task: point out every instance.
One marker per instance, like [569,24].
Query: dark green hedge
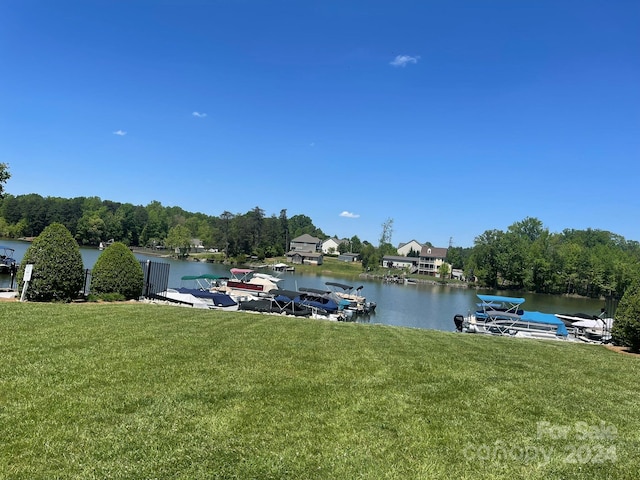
[58,270]
[117,271]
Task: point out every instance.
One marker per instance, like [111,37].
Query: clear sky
[449,117]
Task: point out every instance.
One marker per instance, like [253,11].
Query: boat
[501,315]
[200,298]
[589,328]
[283,267]
[324,304]
[357,302]
[214,300]
[281,302]
[322,299]
[202,294]
[246,283]
[8,264]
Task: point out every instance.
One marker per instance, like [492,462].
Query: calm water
[419,306]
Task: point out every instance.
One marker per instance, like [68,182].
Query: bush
[117,271]
[58,270]
[106,297]
[626,327]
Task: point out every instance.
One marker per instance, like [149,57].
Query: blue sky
[451,118]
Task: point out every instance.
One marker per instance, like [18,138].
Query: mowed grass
[145,391]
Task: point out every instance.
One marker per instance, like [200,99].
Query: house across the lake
[305,249]
[406,249]
[299,257]
[306,243]
[331,245]
[431,259]
[349,257]
[399,261]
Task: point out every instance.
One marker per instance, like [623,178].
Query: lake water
[418,306]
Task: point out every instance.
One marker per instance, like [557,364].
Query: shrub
[58,270]
[117,271]
[626,327]
[106,297]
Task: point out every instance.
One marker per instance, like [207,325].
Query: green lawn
[145,391]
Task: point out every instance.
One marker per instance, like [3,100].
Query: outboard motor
[459,321]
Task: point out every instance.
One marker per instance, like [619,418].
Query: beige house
[330,245]
[431,259]
[405,248]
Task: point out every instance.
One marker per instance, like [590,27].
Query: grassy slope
[146,391]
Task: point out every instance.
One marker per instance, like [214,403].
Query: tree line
[524,257]
[591,262]
[92,220]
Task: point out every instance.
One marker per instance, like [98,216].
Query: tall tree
[284,226]
[4,177]
[355,244]
[226,217]
[387,232]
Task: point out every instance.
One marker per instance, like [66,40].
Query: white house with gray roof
[330,245]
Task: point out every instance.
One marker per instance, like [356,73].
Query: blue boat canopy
[497,298]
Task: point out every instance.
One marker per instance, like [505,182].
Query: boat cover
[546,319]
[219,299]
[339,285]
[315,290]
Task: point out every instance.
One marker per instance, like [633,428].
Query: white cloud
[349,215]
[402,60]
[121,133]
[199,115]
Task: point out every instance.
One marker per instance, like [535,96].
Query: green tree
[284,228]
[179,237]
[355,244]
[226,217]
[484,259]
[58,271]
[444,270]
[626,328]
[117,271]
[301,224]
[91,229]
[4,177]
[371,257]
